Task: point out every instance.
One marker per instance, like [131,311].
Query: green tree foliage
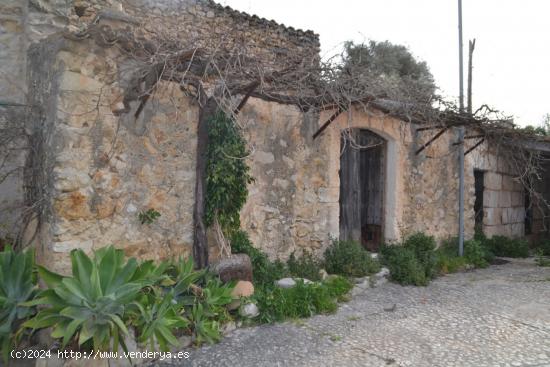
[227,174]
[390,69]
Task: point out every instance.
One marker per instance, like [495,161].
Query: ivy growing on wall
[227,174]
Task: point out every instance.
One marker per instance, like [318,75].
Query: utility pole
[471,46]
[460,138]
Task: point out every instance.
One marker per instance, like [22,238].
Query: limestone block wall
[503,194]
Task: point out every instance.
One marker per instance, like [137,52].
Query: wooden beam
[430,127]
[328,122]
[249,91]
[475,146]
[429,142]
[470,137]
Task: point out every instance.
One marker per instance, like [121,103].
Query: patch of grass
[349,258]
[305,266]
[303,300]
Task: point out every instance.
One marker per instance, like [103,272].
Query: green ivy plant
[227,174]
[148,216]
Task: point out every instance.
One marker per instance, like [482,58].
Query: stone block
[492,216]
[504,199]
[68,246]
[491,231]
[516,215]
[492,181]
[517,230]
[509,183]
[69,179]
[71,81]
[491,199]
[329,194]
[517,198]
[235,267]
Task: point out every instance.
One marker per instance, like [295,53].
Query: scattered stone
[374,255]
[390,308]
[285,283]
[323,274]
[291,282]
[250,310]
[243,288]
[185,341]
[235,267]
[383,273]
[229,327]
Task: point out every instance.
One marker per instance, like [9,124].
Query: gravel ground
[498,316]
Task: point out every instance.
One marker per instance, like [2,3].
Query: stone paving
[498,316]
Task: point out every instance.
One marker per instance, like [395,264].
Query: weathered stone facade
[99,168]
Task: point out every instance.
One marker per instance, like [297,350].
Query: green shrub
[264,271]
[403,265]
[349,258]
[507,247]
[303,300]
[304,267]
[423,247]
[540,258]
[338,287]
[476,254]
[544,246]
[17,286]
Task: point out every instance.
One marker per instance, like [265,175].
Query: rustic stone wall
[98,168]
[292,205]
[503,194]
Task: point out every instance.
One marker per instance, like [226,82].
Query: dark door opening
[362,180]
[479,178]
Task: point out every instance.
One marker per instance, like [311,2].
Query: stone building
[95,167]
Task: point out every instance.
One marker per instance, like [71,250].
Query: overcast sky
[511,60]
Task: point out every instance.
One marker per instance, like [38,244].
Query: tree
[390,69]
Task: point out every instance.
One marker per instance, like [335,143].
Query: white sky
[511,59]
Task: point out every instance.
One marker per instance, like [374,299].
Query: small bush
[541,260]
[448,260]
[544,246]
[404,266]
[349,258]
[304,267]
[507,247]
[424,250]
[264,271]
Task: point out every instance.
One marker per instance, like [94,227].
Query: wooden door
[350,190]
[362,179]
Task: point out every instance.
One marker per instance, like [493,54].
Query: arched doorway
[362,183]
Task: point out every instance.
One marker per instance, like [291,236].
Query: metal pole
[460,138]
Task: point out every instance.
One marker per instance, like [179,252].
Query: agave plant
[17,286]
[90,305]
[156,318]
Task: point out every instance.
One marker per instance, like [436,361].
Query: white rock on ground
[291,282]
[249,310]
